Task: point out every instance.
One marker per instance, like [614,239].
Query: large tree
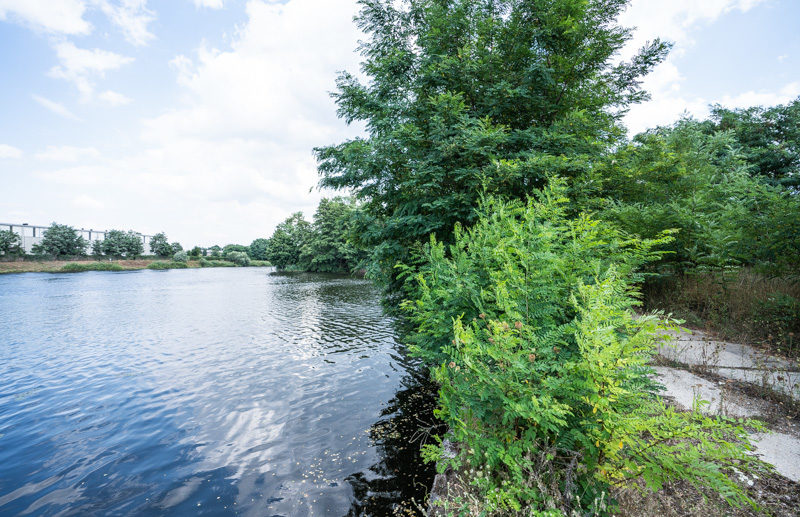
[467,96]
[329,247]
[287,241]
[61,240]
[159,245]
[769,139]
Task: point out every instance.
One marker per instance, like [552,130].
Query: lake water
[209,391]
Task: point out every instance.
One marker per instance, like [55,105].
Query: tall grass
[741,305]
[77,267]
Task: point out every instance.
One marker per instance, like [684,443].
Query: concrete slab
[780,450]
[733,361]
[683,387]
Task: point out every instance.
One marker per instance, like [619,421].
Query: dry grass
[741,305]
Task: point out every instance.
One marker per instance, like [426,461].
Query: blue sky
[197,117]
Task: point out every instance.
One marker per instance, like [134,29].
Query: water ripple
[196,391]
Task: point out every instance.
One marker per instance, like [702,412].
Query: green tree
[122,244]
[60,240]
[9,243]
[181,256]
[330,247]
[698,182]
[239,258]
[159,245]
[769,139]
[176,247]
[195,252]
[287,241]
[215,251]
[258,249]
[471,94]
[230,248]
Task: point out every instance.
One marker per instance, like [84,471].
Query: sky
[198,117]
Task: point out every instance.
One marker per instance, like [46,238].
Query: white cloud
[55,16]
[67,16]
[114,98]
[55,107]
[675,21]
[132,17]
[211,4]
[85,201]
[67,153]
[9,151]
[234,157]
[81,66]
[762,98]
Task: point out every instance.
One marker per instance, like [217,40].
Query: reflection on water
[209,391]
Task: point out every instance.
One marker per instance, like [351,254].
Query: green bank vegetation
[325,245]
[499,202]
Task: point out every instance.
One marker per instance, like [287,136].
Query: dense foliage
[769,139]
[119,244]
[471,94]
[181,256]
[329,245]
[543,367]
[258,249]
[60,240]
[9,243]
[287,241]
[160,246]
[239,258]
[700,183]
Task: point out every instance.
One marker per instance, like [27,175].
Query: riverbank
[739,382]
[76,266]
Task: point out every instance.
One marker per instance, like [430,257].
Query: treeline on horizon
[528,241]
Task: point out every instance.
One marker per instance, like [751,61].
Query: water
[228,391]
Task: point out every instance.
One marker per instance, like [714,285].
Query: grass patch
[216,263]
[260,263]
[76,267]
[162,264]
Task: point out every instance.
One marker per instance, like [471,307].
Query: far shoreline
[79,266]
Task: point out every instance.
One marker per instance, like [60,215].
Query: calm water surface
[211,391]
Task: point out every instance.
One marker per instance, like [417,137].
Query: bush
[160,264]
[239,258]
[260,263]
[77,267]
[528,322]
[779,318]
[181,256]
[216,263]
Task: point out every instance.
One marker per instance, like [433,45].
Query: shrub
[239,258]
[528,322]
[9,243]
[779,318]
[76,267]
[181,256]
[160,264]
